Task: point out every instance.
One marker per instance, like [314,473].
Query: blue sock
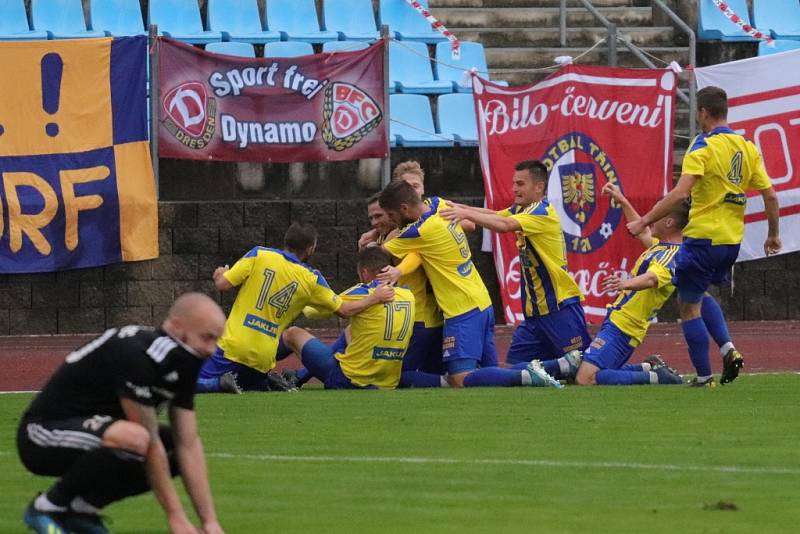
[418,379]
[493,377]
[715,321]
[633,367]
[696,334]
[283,351]
[207,385]
[619,377]
[303,376]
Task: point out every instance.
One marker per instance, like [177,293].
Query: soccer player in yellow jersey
[274,286]
[379,335]
[628,318]
[469,353]
[719,169]
[551,300]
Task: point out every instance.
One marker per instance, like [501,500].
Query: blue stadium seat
[452,70]
[713,25]
[14,22]
[780,46]
[779,17]
[456,117]
[406,24]
[239,20]
[61,19]
[297,21]
[232,48]
[354,20]
[180,19]
[288,49]
[410,70]
[415,128]
[117,17]
[343,46]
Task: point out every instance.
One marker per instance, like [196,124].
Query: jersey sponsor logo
[190,114]
[387,353]
[95,422]
[465,268]
[740,199]
[576,161]
[348,114]
[259,324]
[142,392]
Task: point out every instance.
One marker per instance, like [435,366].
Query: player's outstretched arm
[631,215]
[614,283]
[772,245]
[192,461]
[490,220]
[664,206]
[156,467]
[354,307]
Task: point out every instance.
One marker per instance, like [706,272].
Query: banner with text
[589,126]
[322,107]
[78,187]
[764,106]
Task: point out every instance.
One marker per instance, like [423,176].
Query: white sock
[653,378]
[646,367]
[702,379]
[526,378]
[563,365]
[43,504]
[83,507]
[725,348]
[443,382]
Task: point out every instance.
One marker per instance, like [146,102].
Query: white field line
[738,469]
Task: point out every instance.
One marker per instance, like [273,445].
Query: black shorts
[50,447]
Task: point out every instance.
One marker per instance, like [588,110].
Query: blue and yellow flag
[77,182]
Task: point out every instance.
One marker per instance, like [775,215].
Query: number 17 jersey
[275,286]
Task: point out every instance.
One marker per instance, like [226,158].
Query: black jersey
[140,363]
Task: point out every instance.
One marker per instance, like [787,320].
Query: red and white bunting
[455,45]
[731,15]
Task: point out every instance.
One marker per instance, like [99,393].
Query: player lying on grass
[551,300]
[379,334]
[640,297]
[95,424]
[469,353]
[719,169]
[274,286]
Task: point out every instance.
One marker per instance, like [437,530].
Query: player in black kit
[95,424]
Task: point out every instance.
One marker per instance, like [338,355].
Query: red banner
[589,126]
[322,107]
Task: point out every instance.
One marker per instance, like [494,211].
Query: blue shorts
[610,349]
[424,350]
[248,378]
[321,361]
[699,264]
[468,341]
[549,336]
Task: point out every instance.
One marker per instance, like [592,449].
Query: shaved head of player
[196,321]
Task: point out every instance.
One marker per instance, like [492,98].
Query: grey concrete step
[438,4]
[550,37]
[528,58]
[532,17]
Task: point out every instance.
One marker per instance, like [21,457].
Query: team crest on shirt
[348,115]
[579,168]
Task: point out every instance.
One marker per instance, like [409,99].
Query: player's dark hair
[714,100]
[535,168]
[299,237]
[373,199]
[398,192]
[681,215]
[372,259]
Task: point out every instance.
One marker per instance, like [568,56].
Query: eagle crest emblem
[578,191]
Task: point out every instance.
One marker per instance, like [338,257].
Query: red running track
[771,346]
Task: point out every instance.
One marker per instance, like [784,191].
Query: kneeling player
[628,318]
[95,423]
[379,334]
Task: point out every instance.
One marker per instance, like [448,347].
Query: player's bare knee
[585,377]
[127,435]
[456,380]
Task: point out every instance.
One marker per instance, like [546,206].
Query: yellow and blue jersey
[728,165]
[275,286]
[447,261]
[547,284]
[633,311]
[428,311]
[379,338]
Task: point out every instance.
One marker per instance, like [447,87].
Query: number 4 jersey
[275,286]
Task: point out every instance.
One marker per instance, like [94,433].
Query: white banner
[764,106]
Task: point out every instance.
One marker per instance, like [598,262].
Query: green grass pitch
[635,459]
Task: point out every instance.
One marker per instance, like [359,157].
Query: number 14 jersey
[275,286]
